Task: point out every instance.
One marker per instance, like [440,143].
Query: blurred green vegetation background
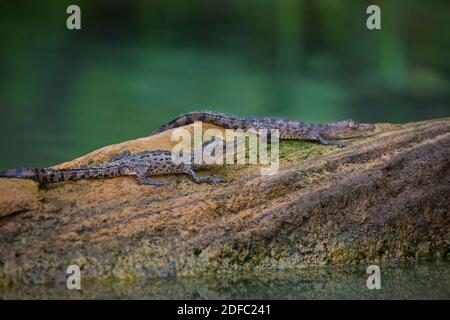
[137,64]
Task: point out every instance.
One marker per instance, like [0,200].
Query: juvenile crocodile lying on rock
[325,133]
[142,164]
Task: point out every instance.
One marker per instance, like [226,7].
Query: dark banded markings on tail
[93,173]
[42,175]
[36,174]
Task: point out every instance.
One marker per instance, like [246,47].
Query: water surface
[429,280]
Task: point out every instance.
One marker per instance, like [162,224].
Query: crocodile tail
[21,173]
[216,118]
[41,175]
[50,175]
[95,172]
[182,120]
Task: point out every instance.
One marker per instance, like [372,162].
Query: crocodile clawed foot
[149,181]
[209,179]
[215,180]
[342,144]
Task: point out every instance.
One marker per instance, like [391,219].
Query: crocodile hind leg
[202,179]
[120,155]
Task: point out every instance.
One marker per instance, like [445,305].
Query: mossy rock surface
[383,198]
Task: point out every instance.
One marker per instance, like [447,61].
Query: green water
[430,280]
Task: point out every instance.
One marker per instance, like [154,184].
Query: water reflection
[407,281]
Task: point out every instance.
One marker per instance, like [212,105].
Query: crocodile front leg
[340,144]
[142,178]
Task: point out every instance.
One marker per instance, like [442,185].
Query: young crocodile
[142,164]
[325,133]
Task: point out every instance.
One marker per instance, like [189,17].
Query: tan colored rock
[372,201]
[17,196]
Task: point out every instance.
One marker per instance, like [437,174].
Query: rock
[380,199]
[16,197]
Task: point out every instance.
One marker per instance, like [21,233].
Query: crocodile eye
[352,124]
